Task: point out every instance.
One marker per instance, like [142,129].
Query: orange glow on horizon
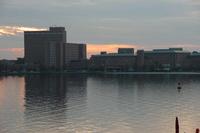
[91,49]
[110,48]
[17,52]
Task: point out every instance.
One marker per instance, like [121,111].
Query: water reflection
[103,103]
[11,103]
[49,100]
[140,103]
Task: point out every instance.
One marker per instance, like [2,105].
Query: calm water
[99,104]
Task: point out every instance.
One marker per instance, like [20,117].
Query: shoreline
[99,72]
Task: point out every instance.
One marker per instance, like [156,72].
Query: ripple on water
[96,104]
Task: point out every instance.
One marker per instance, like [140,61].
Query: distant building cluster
[172,59]
[49,50]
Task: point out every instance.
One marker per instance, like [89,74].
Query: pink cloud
[14,30]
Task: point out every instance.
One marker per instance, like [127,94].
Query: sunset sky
[103,24]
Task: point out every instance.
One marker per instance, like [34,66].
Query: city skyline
[103,25]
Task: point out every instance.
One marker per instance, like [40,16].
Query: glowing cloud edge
[14,30]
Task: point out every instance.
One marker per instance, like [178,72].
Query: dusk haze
[99,66]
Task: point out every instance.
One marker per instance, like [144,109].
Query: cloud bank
[14,30]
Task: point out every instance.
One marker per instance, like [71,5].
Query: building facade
[172,59]
[74,52]
[45,47]
[165,59]
[124,60]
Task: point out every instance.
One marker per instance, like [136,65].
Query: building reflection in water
[50,100]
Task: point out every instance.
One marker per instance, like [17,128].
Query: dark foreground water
[99,104]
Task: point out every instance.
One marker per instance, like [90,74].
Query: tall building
[45,48]
[50,50]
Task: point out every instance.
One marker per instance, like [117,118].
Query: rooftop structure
[121,52]
[125,50]
[170,50]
